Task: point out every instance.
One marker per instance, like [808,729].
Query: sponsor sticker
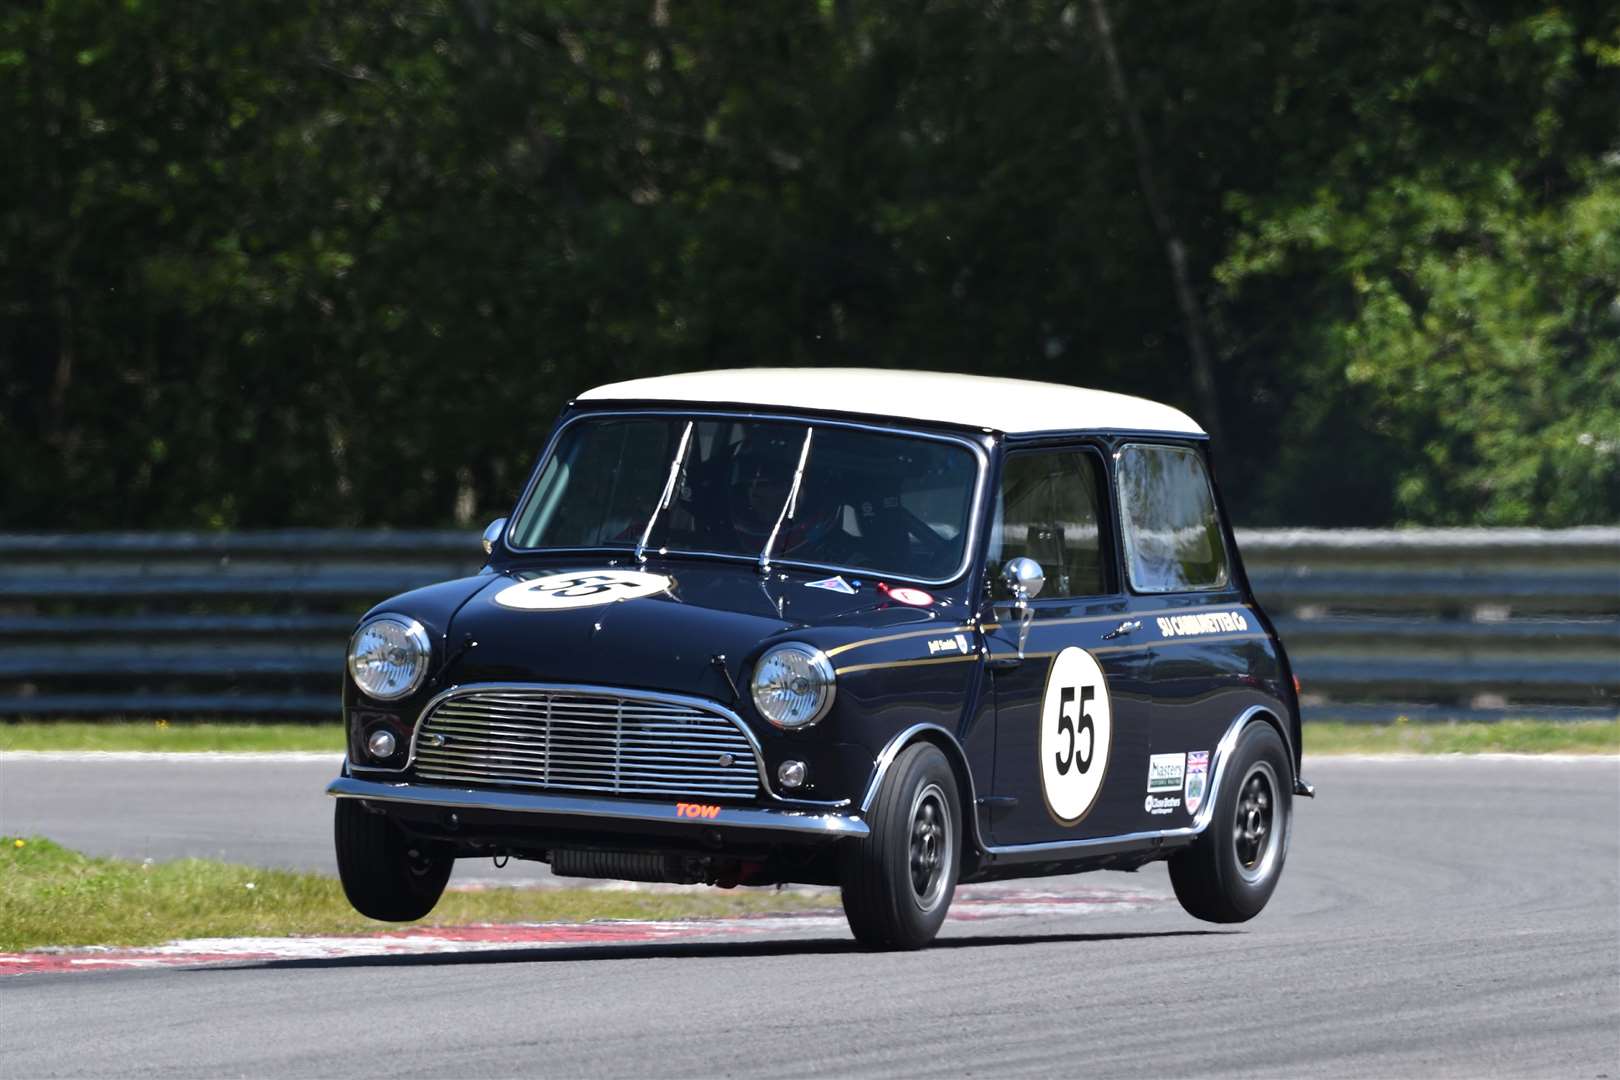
[1212,622]
[1077,724]
[1197,779]
[1165,771]
[1157,805]
[905,594]
[832,584]
[957,644]
[582,588]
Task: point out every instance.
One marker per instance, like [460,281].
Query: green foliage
[1461,246]
[341,264]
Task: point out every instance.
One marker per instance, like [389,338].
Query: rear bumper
[577,810]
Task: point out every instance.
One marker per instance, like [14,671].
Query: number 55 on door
[1076,734]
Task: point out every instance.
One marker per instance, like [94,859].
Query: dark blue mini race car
[890,631]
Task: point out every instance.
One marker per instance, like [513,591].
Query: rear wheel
[386,874]
[898,881]
[1230,872]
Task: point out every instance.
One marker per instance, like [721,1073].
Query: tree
[1453,259]
[341,263]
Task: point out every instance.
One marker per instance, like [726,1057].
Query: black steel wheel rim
[1256,831]
[418,863]
[932,846]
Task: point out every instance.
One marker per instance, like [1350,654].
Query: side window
[1172,533]
[1047,510]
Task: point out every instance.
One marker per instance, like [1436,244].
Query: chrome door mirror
[1024,579]
[492,534]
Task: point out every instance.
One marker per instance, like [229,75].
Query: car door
[1070,682]
[1208,644]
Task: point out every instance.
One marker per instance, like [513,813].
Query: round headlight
[388,657]
[793,685]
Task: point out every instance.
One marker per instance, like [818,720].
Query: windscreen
[870,501]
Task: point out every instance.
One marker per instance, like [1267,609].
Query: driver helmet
[760,479]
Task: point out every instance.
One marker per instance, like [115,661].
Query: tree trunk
[1174,250]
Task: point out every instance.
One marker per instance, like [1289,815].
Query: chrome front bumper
[792,822]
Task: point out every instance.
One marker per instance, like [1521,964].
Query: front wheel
[898,881]
[386,874]
[1230,872]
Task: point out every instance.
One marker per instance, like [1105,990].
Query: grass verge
[1503,736]
[51,895]
[183,735]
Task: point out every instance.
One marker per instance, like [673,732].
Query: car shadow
[565,954]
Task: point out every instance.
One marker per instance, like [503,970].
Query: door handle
[1126,627]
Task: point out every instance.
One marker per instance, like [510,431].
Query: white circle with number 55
[581,588]
[1077,725]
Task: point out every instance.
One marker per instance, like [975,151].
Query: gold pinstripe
[1123,615]
[1039,624]
[1144,645]
[933,631]
[907,663]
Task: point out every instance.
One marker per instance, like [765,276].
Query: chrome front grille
[582,740]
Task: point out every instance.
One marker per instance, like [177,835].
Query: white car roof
[1010,405]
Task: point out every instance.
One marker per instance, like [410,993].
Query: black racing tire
[1230,872]
[898,880]
[386,874]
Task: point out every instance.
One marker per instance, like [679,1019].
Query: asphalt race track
[1436,918]
[260,809]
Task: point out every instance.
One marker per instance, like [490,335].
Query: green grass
[50,895]
[1504,736]
[183,735]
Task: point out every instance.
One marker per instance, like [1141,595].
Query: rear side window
[1173,537]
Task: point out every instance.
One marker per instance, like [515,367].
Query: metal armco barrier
[1476,623]
[1445,623]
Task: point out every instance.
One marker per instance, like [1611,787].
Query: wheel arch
[1254,714]
[973,852]
[1289,732]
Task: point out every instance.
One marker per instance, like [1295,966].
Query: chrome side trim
[1223,753]
[973,446]
[574,806]
[1060,847]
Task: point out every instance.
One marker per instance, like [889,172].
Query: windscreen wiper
[791,506]
[669,492]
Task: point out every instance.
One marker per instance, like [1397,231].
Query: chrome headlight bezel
[410,634]
[787,706]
